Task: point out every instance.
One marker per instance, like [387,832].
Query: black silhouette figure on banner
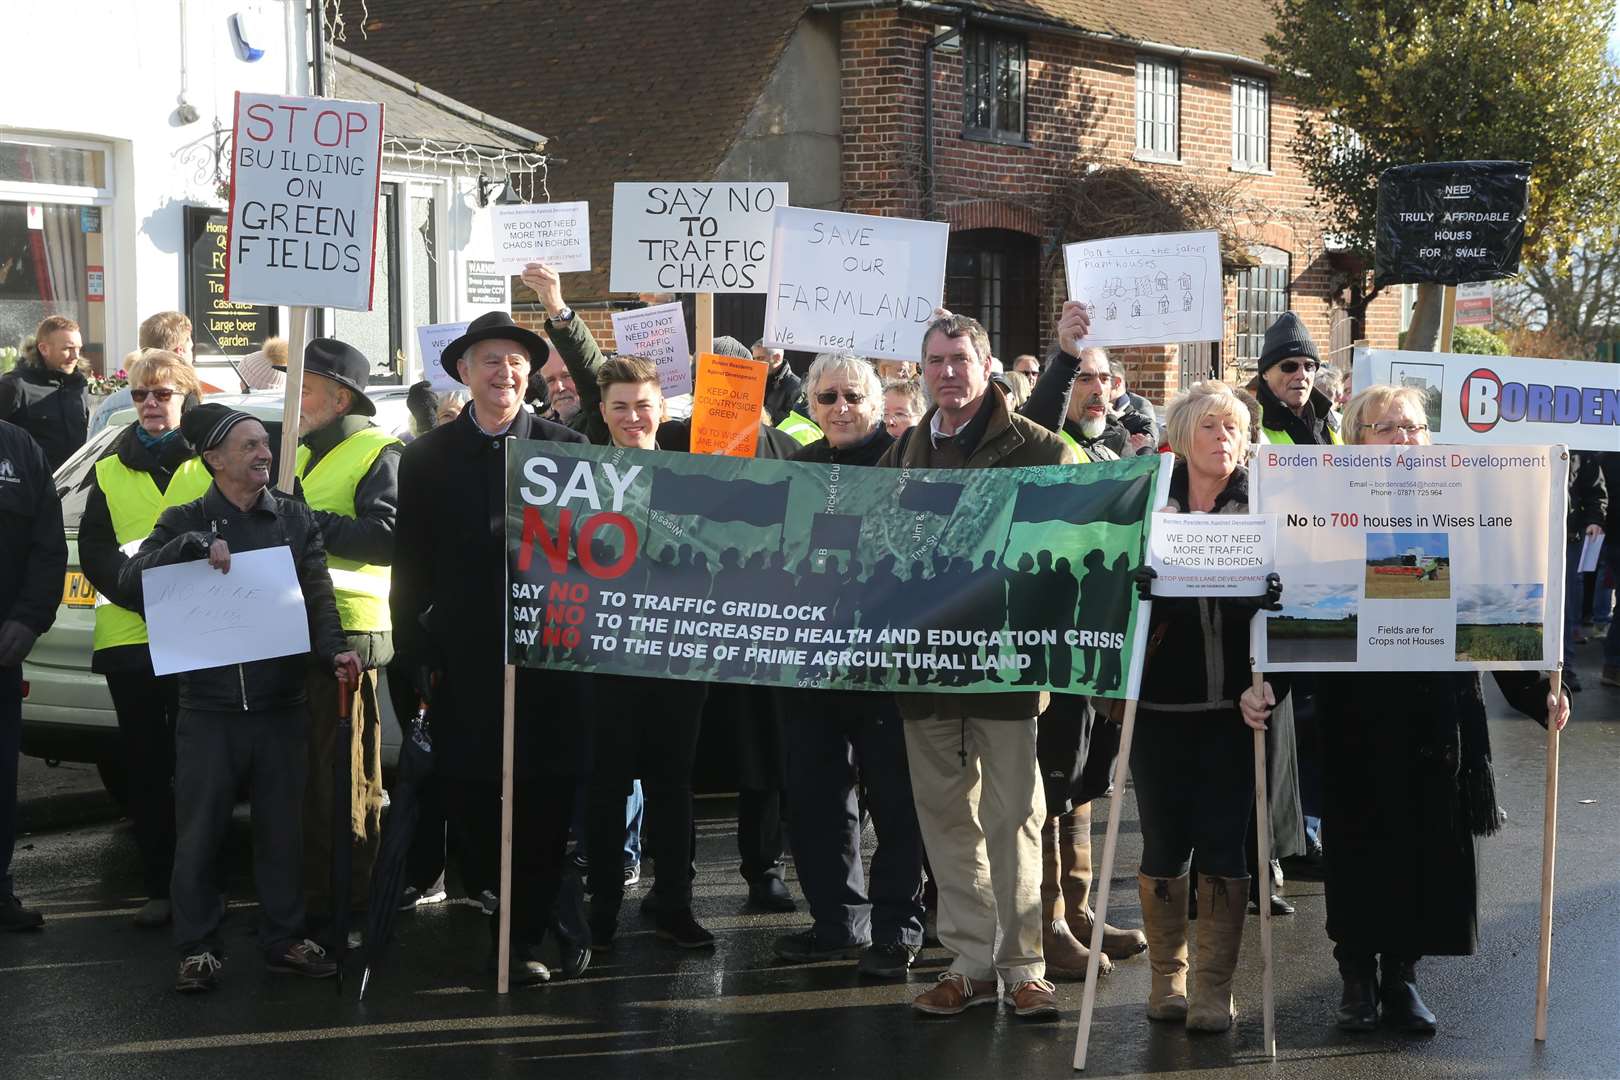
[881,612]
[1065,591]
[728,586]
[911,606]
[1095,606]
[1024,612]
[1119,581]
[988,588]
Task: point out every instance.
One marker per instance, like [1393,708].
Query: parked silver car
[67,714]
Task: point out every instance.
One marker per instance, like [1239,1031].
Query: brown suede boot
[1221,909]
[1074,843]
[1066,956]
[1164,913]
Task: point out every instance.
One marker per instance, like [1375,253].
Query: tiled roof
[1235,27]
[412,111]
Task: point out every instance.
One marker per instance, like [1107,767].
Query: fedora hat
[343,364]
[494,325]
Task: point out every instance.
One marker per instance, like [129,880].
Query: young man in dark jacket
[247,721]
[33,558]
[49,398]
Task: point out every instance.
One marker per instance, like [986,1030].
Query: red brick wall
[1080,110]
[597,319]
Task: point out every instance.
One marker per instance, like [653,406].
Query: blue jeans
[633,808]
[10,747]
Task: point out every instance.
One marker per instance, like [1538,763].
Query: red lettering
[355,124]
[337,137]
[292,112]
[587,558]
[555,547]
[257,115]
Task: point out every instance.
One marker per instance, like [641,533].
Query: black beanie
[1284,338]
[206,426]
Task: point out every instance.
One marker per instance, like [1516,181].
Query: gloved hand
[15,642]
[1144,576]
[1271,600]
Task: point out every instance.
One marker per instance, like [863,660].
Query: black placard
[218,327]
[1451,222]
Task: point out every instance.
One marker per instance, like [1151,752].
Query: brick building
[990,115]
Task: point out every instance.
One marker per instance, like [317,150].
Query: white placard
[303,217]
[557,234]
[1211,554]
[693,237]
[657,334]
[1413,558]
[430,343]
[200,618]
[1149,290]
[1496,400]
[853,282]
[1591,548]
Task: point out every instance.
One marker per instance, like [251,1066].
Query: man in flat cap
[447,599]
[248,721]
[349,469]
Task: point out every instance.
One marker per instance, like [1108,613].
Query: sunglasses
[162,394]
[1291,366]
[830,397]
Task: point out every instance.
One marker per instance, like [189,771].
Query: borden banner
[791,574]
[1491,400]
[1414,558]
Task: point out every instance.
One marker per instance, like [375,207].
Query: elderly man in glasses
[1292,409]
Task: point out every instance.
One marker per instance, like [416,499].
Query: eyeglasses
[162,394]
[1291,366]
[1384,427]
[830,397]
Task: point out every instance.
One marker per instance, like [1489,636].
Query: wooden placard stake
[1448,317]
[703,320]
[503,911]
[1262,816]
[1103,878]
[1549,848]
[291,402]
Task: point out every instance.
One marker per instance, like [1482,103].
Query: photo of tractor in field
[1408,566]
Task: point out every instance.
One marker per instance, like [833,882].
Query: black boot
[1358,1005]
[1403,1009]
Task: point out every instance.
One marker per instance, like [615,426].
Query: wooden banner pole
[503,954]
[1262,817]
[1448,317]
[1549,847]
[1102,879]
[704,320]
[291,402]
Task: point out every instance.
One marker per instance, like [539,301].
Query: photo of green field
[1316,625]
[1500,622]
[1408,566]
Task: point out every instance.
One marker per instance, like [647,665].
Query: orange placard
[727,402]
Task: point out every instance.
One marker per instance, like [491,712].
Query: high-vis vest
[361,589]
[1080,454]
[803,431]
[134,503]
[1272,435]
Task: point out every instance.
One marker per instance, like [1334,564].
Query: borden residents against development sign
[1414,558]
[785,573]
[304,176]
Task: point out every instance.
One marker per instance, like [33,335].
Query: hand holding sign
[1073,326]
[547,285]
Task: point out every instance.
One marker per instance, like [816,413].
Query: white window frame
[1270,259]
[1158,106]
[1251,108]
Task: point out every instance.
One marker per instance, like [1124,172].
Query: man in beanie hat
[447,601]
[349,468]
[246,721]
[1292,410]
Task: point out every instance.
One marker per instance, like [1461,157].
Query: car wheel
[116,780]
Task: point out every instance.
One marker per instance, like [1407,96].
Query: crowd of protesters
[981,803]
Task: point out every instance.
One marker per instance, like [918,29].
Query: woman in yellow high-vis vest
[146,469]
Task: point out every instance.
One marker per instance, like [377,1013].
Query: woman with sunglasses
[149,467]
[1409,789]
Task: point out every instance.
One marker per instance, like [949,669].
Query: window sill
[1253,170]
[1158,159]
[969,135]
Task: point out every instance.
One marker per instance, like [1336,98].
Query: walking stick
[342,821]
[1549,845]
[1262,818]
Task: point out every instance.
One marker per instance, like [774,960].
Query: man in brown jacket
[974,777]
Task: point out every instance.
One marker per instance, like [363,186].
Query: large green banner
[792,574]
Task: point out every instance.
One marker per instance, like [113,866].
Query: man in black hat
[349,469]
[1292,410]
[447,601]
[242,722]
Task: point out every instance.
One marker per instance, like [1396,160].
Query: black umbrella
[342,822]
[404,811]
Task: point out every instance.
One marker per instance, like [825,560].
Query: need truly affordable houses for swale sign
[1451,222]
